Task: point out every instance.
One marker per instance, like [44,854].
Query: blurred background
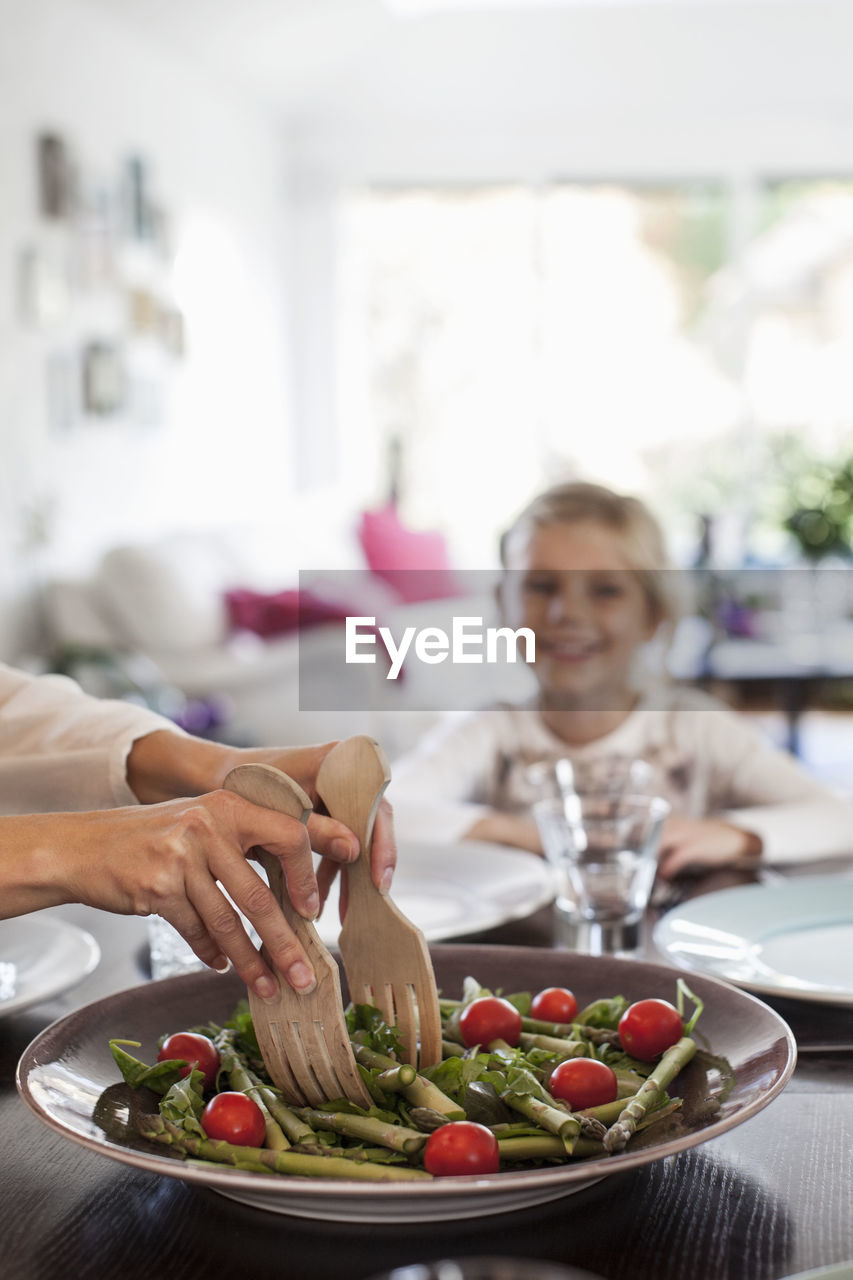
[267,268]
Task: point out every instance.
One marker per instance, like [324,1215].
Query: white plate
[835,1271]
[68,1077]
[793,939]
[45,956]
[450,891]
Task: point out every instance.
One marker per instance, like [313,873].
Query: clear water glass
[603,849]
[171,954]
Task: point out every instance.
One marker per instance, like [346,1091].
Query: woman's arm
[143,825]
[173,858]
[761,802]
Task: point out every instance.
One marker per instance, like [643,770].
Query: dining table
[771,1197]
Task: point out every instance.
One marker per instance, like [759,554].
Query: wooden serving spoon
[303,1038]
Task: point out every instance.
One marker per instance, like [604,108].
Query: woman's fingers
[326,873]
[256,901]
[383,861]
[331,838]
[383,852]
[182,916]
[214,835]
[282,836]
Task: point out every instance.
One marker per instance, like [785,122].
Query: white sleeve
[765,790]
[801,832]
[434,787]
[62,750]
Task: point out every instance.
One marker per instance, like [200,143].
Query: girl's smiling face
[574,585]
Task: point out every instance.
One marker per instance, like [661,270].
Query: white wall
[226,451]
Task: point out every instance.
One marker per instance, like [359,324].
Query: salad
[526,1080]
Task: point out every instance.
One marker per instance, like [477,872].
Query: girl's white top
[706,759]
[62,750]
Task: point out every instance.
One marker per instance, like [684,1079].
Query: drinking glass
[603,848]
[171,954]
[617,774]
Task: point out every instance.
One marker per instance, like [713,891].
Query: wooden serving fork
[385,956]
[303,1038]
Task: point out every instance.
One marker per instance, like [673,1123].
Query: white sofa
[159,609]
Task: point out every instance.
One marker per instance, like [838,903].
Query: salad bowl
[68,1077]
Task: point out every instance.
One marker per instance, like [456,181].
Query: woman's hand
[330,838]
[167,858]
[704,842]
[163,765]
[383,857]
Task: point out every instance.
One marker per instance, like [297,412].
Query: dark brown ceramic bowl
[68,1077]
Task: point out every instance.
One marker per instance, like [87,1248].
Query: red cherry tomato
[554,1004]
[196,1050]
[490,1018]
[461,1147]
[648,1028]
[583,1082]
[232,1117]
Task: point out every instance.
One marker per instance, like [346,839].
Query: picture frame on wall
[44,295]
[104,380]
[56,177]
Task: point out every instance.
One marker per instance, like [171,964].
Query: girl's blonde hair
[626,516]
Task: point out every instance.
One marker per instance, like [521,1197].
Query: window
[511,336]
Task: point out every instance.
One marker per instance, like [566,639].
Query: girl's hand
[704,842]
[506,828]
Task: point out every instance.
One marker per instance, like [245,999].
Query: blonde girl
[586,569]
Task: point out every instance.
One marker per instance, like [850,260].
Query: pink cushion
[276,613]
[415,564]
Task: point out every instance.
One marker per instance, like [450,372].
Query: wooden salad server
[385,956]
[303,1038]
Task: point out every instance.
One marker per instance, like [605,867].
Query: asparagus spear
[544,1147]
[648,1094]
[560,1123]
[296,1130]
[367,1129]
[307,1166]
[421,1092]
[555,1044]
[397,1078]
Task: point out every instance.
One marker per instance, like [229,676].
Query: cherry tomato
[490,1018]
[197,1051]
[583,1082]
[554,1004]
[232,1117]
[648,1028]
[461,1147]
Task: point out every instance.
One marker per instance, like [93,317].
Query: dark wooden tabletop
[771,1198]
